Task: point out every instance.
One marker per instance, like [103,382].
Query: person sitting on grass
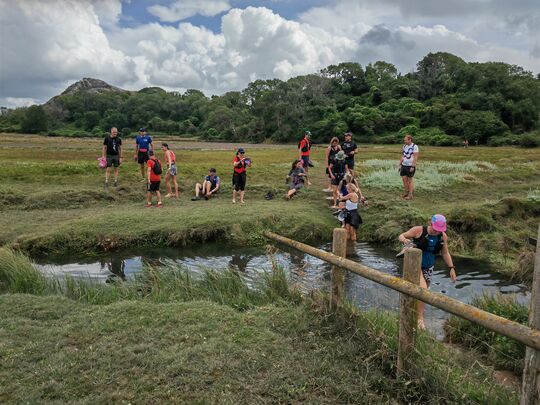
[154,179]
[352,217]
[296,178]
[337,170]
[431,240]
[170,175]
[209,186]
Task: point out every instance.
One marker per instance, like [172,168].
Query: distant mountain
[86,85]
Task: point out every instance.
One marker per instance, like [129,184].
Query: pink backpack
[102,163]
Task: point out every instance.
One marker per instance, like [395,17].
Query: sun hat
[340,155]
[438,223]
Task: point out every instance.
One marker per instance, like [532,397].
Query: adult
[409,158]
[330,153]
[209,186]
[338,169]
[304,150]
[350,148]
[143,145]
[431,240]
[112,151]
[172,171]
[240,163]
[352,217]
[296,178]
[154,179]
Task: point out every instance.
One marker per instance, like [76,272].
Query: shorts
[172,170]
[428,273]
[113,160]
[337,178]
[353,218]
[239,181]
[296,186]
[406,171]
[350,163]
[154,186]
[142,157]
[305,160]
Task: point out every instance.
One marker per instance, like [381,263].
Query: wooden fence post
[339,248]
[408,313]
[530,391]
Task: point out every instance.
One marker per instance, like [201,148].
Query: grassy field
[53,199]
[167,337]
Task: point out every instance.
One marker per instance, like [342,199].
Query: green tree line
[444,101]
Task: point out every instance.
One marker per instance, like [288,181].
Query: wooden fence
[409,287]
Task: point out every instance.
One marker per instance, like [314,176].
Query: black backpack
[157,167]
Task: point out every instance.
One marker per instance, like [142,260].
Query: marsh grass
[501,351]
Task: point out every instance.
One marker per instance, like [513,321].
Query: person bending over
[209,186]
[296,178]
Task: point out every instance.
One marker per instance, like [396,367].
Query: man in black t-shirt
[113,152]
[350,149]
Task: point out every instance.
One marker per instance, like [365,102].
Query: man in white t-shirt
[409,157]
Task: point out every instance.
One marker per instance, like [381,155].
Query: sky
[221,45]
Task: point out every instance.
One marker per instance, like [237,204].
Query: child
[154,179]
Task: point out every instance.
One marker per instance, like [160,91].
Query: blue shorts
[172,170]
[305,159]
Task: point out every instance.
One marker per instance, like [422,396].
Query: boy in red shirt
[304,148]
[154,179]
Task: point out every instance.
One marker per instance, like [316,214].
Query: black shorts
[142,157]
[113,160]
[353,218]
[154,186]
[305,159]
[239,181]
[337,178]
[407,172]
[350,163]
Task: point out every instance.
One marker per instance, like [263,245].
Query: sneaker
[234,201]
[195,198]
[159,205]
[148,205]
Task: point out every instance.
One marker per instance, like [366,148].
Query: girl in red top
[170,160]
[240,162]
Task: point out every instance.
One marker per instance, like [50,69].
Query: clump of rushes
[18,275]
[501,351]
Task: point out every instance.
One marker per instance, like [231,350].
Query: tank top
[351,206]
[332,153]
[171,156]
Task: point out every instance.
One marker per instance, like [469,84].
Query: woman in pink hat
[431,240]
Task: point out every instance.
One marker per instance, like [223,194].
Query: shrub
[530,140]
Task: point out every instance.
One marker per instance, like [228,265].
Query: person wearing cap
[240,163]
[304,149]
[350,148]
[170,160]
[113,152]
[143,145]
[154,179]
[409,157]
[209,186]
[431,240]
[337,170]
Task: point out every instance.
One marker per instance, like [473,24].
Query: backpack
[156,168]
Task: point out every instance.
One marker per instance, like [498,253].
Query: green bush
[531,140]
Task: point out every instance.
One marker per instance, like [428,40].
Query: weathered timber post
[408,313]
[339,248]
[530,391]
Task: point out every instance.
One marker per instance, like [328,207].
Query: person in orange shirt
[240,163]
[304,148]
[154,179]
[170,160]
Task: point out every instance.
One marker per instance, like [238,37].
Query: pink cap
[438,222]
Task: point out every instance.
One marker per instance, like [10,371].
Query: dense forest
[442,102]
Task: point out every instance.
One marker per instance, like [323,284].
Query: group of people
[343,182]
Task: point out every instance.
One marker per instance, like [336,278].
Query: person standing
[304,149]
[350,148]
[408,161]
[240,163]
[352,217]
[338,169]
[431,240]
[112,151]
[330,152]
[154,179]
[170,175]
[143,145]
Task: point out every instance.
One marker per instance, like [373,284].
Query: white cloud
[11,102]
[182,9]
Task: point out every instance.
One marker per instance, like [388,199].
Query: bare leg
[405,186]
[149,198]
[107,173]
[411,187]
[335,192]
[353,233]
[242,192]
[168,184]
[158,197]
[175,186]
[197,189]
[116,170]
[290,193]
[234,196]
[142,170]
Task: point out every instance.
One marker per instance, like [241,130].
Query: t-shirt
[304,147]
[407,152]
[214,182]
[113,145]
[348,147]
[143,142]
[241,168]
[295,175]
[153,176]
